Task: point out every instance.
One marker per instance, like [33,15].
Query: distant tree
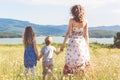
[117,40]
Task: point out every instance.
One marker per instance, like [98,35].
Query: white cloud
[100,3]
[98,12]
[86,3]
[89,3]
[52,2]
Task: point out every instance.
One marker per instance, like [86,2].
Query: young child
[30,52]
[47,60]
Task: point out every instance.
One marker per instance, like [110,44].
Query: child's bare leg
[33,72]
[26,72]
[44,77]
[50,74]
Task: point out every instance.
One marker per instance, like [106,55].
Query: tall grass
[105,63]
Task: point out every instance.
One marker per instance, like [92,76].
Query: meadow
[105,63]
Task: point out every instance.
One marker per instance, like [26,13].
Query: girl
[30,53]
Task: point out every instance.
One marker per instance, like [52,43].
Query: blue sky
[57,12]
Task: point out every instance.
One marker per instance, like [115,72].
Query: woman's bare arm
[86,33]
[67,34]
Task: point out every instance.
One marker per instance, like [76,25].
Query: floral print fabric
[77,55]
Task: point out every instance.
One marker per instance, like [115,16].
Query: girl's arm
[35,48]
[40,56]
[86,34]
[67,34]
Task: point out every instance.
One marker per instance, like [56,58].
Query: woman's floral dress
[77,55]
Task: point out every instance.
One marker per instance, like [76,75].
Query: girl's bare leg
[26,73]
[33,72]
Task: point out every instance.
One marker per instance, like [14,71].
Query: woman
[77,54]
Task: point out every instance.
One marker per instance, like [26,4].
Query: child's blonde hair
[29,36]
[48,40]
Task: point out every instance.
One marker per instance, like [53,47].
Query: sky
[57,12]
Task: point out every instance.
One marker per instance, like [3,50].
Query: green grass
[105,63]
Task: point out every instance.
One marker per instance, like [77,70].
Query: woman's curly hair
[77,12]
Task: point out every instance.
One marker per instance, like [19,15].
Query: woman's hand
[62,47]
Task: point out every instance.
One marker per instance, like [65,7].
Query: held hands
[38,58]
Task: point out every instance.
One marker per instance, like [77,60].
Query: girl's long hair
[29,36]
[77,12]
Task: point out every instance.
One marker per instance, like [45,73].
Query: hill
[101,33]
[9,35]
[17,27]
[108,28]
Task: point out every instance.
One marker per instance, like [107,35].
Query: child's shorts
[47,67]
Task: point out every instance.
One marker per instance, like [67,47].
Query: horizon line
[57,24]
